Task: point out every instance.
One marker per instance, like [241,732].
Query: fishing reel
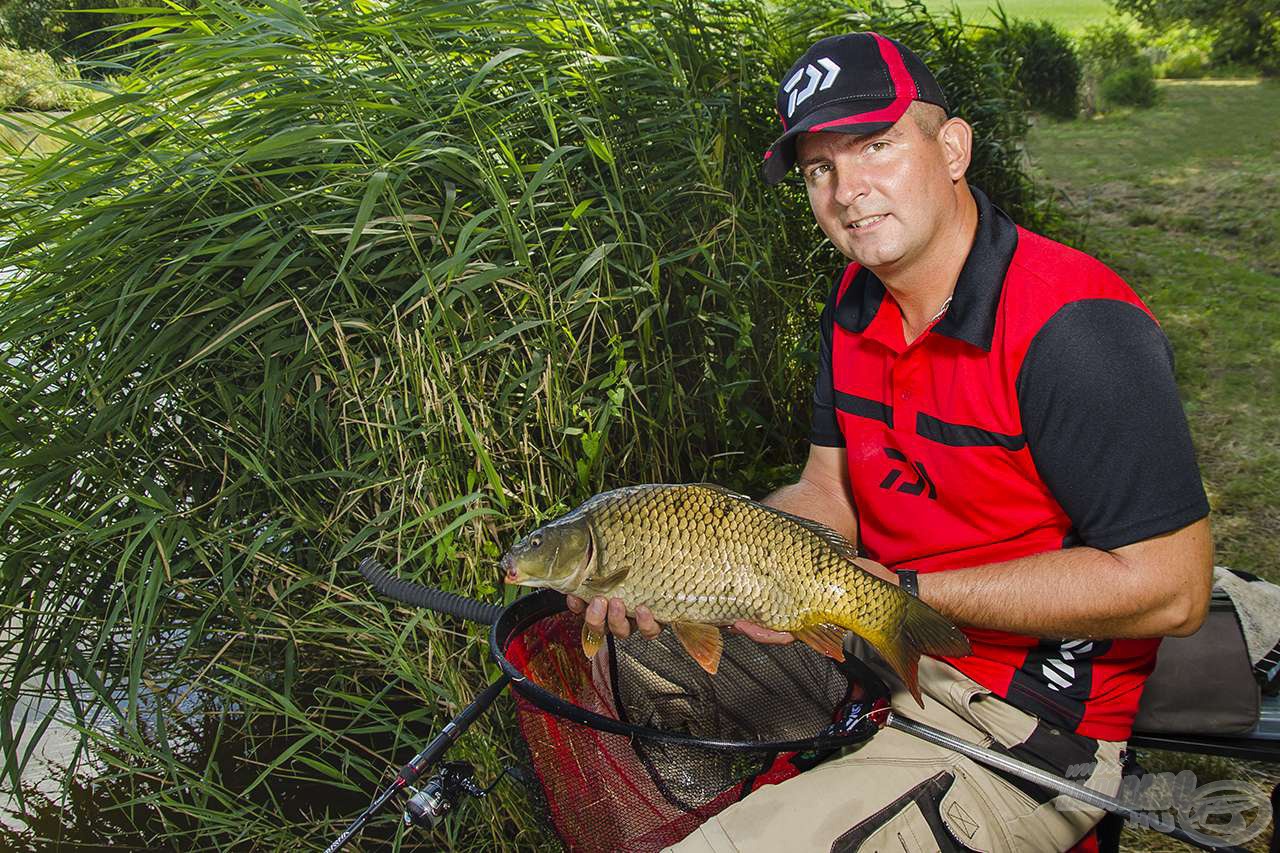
[429,805]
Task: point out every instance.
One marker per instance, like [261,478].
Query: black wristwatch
[908,581]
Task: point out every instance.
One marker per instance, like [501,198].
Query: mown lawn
[21,130]
[1072,15]
[1180,199]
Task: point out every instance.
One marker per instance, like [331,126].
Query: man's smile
[867,221]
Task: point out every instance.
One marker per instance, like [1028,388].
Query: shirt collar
[971,317]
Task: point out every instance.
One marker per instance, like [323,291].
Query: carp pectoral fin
[703,643]
[592,640]
[823,638]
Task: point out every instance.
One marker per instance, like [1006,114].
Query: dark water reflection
[115,809]
[150,796]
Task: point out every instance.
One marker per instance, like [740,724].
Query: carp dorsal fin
[716,487]
[838,543]
[703,643]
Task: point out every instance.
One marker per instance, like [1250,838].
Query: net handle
[523,612]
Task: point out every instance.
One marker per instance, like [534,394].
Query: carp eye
[535,540]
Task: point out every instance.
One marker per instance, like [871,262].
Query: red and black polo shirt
[1040,412]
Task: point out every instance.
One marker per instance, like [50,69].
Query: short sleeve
[824,429]
[1105,426]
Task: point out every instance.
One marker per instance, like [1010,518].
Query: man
[996,414]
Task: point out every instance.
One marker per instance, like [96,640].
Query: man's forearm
[1155,587]
[1077,592]
[1084,592]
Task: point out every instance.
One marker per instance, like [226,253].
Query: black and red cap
[857,83]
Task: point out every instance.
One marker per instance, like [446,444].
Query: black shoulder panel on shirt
[1105,426]
[824,428]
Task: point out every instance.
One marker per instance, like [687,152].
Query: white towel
[1257,605]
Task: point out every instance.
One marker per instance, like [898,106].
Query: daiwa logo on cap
[816,82]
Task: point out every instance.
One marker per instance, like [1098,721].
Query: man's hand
[613,612]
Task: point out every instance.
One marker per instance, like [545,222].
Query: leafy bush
[345,278]
[1108,47]
[1110,52]
[32,80]
[1178,52]
[1048,69]
[1134,86]
[1188,63]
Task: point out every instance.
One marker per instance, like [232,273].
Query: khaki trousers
[899,793]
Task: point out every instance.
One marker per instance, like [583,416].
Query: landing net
[636,747]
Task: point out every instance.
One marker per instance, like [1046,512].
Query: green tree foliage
[1245,31]
[396,278]
[1048,69]
[1180,52]
[61,27]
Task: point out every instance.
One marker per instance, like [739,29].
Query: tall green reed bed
[397,278]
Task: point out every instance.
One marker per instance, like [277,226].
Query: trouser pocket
[911,823]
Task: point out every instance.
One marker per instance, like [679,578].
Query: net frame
[524,612]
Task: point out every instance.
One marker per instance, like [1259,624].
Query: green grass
[1180,199]
[1183,207]
[1072,15]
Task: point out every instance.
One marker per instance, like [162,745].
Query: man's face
[879,198]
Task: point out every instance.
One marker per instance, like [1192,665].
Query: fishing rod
[436,797]
[1031,773]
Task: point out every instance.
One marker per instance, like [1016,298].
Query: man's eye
[816,171]
[877,146]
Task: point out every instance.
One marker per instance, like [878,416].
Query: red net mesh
[606,792]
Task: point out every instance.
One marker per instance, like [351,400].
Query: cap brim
[837,118]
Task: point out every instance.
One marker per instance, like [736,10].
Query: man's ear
[956,137]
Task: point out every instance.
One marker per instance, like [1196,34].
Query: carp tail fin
[923,631]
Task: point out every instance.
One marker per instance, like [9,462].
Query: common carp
[699,556]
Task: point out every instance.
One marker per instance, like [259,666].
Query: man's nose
[851,184]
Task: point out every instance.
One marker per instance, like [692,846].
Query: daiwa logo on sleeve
[815,81]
